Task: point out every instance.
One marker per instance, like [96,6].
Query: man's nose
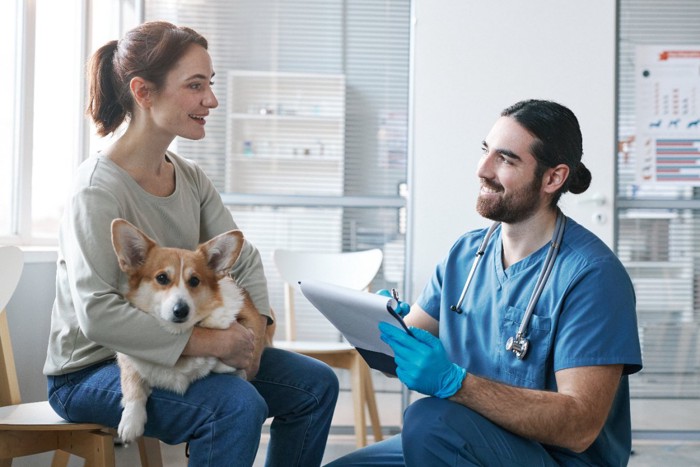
[485,169]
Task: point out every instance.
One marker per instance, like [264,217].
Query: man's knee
[424,418]
[427,436]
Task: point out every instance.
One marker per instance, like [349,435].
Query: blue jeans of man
[438,432]
[221,415]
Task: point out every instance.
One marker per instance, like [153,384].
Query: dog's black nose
[180,311]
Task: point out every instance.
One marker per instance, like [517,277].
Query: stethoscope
[518,344]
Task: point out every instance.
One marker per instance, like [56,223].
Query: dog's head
[180,287]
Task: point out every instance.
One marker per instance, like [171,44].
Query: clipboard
[356,315]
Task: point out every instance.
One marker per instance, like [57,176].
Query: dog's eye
[162,279]
[193,282]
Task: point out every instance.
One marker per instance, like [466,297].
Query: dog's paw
[132,423]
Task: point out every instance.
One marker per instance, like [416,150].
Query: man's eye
[193,282]
[162,279]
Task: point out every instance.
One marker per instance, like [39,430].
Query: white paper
[355,314]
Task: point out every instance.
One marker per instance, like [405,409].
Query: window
[658,223]
[8,161]
[43,48]
[39,135]
[57,112]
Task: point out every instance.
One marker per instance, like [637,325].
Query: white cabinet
[285,133]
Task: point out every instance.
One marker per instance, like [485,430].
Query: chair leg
[149,451]
[60,459]
[358,395]
[96,447]
[371,403]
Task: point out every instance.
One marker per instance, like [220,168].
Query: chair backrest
[354,270]
[11,265]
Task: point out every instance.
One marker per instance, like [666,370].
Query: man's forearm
[571,418]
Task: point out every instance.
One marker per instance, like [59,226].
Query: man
[555,393]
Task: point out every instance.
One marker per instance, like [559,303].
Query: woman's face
[182,105]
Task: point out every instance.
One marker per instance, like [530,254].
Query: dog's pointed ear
[223,251]
[130,244]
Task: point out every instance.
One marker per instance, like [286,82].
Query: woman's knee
[227,396]
[245,402]
[326,376]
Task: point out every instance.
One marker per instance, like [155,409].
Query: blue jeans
[221,415]
[438,432]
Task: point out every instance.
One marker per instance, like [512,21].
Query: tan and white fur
[182,289]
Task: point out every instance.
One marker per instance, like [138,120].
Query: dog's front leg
[135,392]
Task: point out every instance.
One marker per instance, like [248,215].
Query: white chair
[34,428]
[354,270]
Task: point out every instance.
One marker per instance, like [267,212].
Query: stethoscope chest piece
[518,345]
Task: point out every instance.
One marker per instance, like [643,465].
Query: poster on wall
[668,115]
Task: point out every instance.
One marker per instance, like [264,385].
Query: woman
[157,79]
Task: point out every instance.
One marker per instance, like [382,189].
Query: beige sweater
[90,318]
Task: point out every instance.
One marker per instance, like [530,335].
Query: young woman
[158,79]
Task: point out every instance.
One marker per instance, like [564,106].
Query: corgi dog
[182,289]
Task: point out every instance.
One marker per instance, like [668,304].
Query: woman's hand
[234,346]
[237,346]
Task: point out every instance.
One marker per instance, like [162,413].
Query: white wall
[473,59]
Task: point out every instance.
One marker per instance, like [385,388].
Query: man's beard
[513,207]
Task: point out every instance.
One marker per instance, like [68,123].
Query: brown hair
[149,51]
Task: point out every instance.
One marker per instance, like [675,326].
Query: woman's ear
[555,177]
[142,91]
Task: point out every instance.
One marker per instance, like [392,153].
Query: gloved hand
[422,363]
[402,308]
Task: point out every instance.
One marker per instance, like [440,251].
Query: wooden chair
[33,428]
[354,270]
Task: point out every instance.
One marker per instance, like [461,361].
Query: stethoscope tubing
[479,255]
[521,343]
[544,275]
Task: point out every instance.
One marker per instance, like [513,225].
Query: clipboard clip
[391,306]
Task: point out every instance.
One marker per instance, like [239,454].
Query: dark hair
[558,140]
[149,51]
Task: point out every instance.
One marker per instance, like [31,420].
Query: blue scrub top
[585,316]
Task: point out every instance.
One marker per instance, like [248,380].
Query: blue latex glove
[422,363]
[402,308]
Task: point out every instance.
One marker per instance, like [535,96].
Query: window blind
[309,144]
[658,225]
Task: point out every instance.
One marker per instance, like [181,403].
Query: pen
[395,294]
